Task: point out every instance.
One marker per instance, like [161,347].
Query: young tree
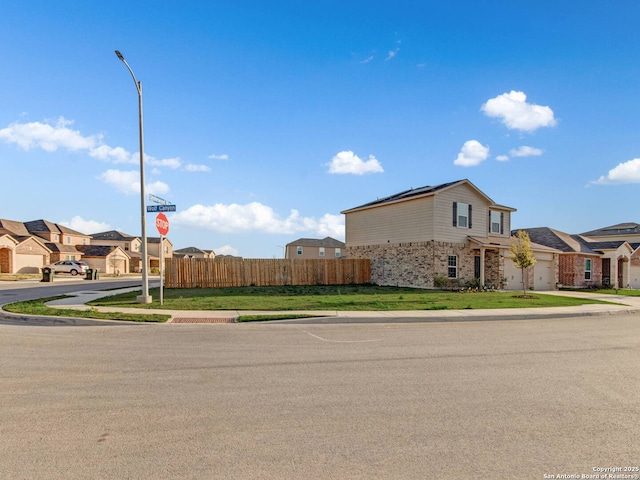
[522,256]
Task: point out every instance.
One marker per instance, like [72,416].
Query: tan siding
[310,252]
[409,221]
[445,231]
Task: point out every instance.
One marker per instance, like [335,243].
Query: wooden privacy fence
[238,272]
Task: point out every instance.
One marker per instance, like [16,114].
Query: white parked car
[74,267]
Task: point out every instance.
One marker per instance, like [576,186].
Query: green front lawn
[344,297]
[38,307]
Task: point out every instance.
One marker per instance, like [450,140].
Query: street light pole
[145,297]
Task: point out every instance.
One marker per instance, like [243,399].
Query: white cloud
[172,163]
[114,154]
[525,151]
[348,162]
[502,158]
[368,59]
[513,110]
[473,153]
[47,137]
[129,182]
[86,226]
[391,54]
[255,217]
[190,167]
[227,250]
[51,137]
[627,172]
[224,156]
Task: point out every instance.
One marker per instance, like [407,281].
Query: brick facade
[416,264]
[572,270]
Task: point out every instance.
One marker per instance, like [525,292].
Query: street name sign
[161,208]
[158,200]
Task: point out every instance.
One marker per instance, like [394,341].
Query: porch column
[482,251]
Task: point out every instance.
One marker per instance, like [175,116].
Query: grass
[343,297]
[281,316]
[38,307]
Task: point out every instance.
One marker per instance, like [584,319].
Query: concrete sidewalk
[624,305]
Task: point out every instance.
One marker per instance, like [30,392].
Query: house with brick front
[452,231]
[624,269]
[585,261]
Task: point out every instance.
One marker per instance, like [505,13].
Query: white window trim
[454,267]
[498,223]
[465,207]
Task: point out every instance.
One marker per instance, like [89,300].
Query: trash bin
[47,274]
[96,273]
[89,274]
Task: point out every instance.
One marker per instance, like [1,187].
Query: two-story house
[453,230]
[194,252]
[304,248]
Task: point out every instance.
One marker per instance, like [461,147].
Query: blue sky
[264,120]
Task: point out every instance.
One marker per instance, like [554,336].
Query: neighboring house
[453,230]
[193,252]
[304,248]
[106,258]
[21,254]
[27,246]
[625,269]
[132,246]
[155,253]
[584,262]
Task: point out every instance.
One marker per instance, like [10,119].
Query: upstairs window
[299,250]
[461,215]
[496,220]
[338,254]
[321,251]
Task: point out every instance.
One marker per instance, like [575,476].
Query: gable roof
[113,235]
[425,191]
[98,250]
[39,226]
[157,240]
[629,228]
[191,250]
[315,242]
[559,240]
[15,228]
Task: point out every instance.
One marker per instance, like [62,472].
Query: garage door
[543,275]
[543,278]
[513,275]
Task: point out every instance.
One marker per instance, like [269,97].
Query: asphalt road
[468,400]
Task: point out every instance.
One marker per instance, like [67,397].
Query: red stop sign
[162,224]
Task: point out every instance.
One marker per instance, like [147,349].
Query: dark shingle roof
[558,240]
[113,235]
[190,250]
[629,228]
[96,250]
[39,226]
[413,192]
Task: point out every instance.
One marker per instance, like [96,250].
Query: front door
[620,274]
[476,266]
[606,271]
